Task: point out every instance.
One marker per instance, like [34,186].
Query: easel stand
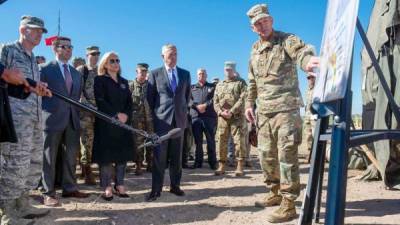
[342,139]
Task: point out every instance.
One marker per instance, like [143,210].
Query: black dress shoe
[177,191]
[119,194]
[213,166]
[152,196]
[185,166]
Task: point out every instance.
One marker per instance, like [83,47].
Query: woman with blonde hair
[112,144]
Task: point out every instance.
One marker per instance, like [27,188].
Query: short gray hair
[167,47]
[201,69]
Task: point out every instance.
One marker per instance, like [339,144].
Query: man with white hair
[168,94]
[21,162]
[204,119]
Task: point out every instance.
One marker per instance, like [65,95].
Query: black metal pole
[98,114]
[317,209]
[306,213]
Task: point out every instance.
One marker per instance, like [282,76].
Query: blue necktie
[173,81]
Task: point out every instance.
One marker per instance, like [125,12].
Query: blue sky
[206,32]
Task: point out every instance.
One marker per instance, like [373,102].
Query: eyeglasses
[112,61]
[66,47]
[94,53]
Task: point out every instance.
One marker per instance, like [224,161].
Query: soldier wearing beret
[273,82]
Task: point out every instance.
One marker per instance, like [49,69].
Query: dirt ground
[215,200]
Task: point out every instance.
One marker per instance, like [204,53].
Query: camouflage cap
[230,65]
[142,66]
[78,60]
[257,12]
[215,80]
[32,22]
[92,49]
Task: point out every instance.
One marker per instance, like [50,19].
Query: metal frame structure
[342,139]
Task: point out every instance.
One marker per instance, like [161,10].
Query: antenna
[59,23]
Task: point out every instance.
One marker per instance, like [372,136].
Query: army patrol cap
[78,60]
[92,49]
[32,22]
[230,65]
[142,66]
[257,12]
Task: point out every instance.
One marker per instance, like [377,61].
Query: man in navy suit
[61,123]
[168,96]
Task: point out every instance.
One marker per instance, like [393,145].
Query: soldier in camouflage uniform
[88,72]
[273,81]
[141,116]
[229,100]
[309,118]
[21,162]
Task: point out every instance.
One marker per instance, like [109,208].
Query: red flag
[49,40]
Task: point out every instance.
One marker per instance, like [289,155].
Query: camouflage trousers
[21,163]
[142,153]
[279,135]
[231,146]
[87,135]
[308,132]
[225,128]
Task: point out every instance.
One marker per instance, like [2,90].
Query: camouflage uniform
[309,122]
[141,118]
[87,119]
[230,94]
[21,163]
[273,81]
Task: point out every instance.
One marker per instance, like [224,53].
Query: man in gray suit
[61,123]
[168,95]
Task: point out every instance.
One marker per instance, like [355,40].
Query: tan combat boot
[221,169]
[8,214]
[26,210]
[239,168]
[285,212]
[273,198]
[89,176]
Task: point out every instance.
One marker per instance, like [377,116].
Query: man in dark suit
[61,123]
[168,96]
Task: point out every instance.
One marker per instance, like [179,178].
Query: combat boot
[273,198]
[248,164]
[221,169]
[8,214]
[239,168]
[26,210]
[89,176]
[285,212]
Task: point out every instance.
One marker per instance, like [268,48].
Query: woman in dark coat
[112,145]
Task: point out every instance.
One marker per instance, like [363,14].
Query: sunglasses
[95,54]
[112,61]
[66,47]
